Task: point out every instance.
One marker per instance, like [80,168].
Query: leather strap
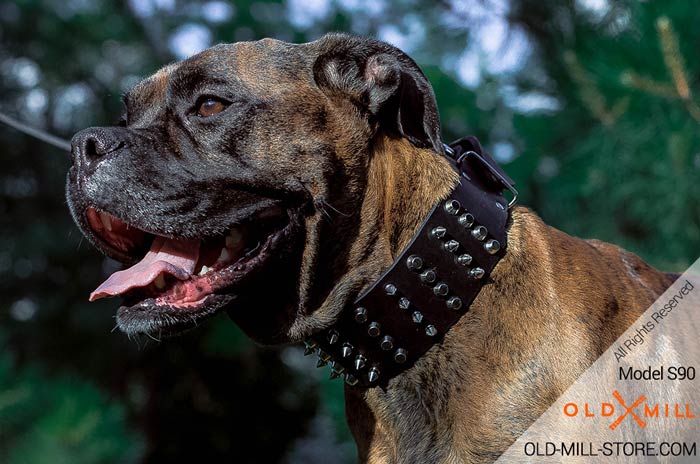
[431,284]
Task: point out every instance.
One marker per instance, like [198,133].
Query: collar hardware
[431,284]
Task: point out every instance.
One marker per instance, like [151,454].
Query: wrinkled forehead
[264,68]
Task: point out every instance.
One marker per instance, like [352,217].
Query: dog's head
[236,178]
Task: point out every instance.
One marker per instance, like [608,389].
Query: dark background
[590,105]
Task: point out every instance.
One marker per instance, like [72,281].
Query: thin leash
[39,134]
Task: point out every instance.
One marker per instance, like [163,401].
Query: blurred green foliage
[590,106]
[64,418]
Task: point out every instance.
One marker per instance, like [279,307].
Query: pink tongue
[175,257]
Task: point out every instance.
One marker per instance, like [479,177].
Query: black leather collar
[432,282]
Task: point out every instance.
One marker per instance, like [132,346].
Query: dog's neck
[404,184]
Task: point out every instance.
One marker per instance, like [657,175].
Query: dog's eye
[210,107]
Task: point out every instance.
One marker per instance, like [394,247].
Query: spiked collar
[431,284]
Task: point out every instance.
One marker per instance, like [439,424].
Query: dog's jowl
[278,182]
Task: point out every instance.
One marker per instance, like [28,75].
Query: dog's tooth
[160,282]
[234,237]
[106,221]
[224,256]
[204,270]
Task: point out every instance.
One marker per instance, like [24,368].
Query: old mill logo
[640,411]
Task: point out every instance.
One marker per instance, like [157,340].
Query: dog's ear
[383,81]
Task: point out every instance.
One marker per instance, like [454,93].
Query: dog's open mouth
[183,277]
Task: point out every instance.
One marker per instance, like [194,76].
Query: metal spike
[417,317]
[373,375]
[404,303]
[451,246]
[430,330]
[346,350]
[454,302]
[350,380]
[479,232]
[390,289]
[492,246]
[374,329]
[476,273]
[438,232]
[414,262]
[400,355]
[323,358]
[466,220]
[361,315]
[333,336]
[428,276]
[463,259]
[441,289]
[360,362]
[309,347]
[452,207]
[387,343]
[336,370]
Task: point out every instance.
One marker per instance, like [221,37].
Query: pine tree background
[596,118]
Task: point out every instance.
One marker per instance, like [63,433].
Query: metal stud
[441,289]
[463,259]
[414,262]
[400,355]
[323,359]
[309,347]
[390,289]
[373,375]
[404,303]
[360,362]
[430,330]
[361,315]
[479,232]
[417,317]
[492,246]
[454,302]
[374,329]
[466,220]
[428,276]
[350,380]
[476,273]
[336,370]
[451,246]
[387,343]
[333,336]
[438,232]
[346,350]
[452,207]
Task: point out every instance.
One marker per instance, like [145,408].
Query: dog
[277,181]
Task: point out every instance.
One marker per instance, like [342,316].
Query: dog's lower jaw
[552,306]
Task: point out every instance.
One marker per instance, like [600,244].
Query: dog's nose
[91,145]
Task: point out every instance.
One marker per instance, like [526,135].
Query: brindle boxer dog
[276,181]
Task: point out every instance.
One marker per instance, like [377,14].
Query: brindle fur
[349,126]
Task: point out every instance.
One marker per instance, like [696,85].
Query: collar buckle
[502,181]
